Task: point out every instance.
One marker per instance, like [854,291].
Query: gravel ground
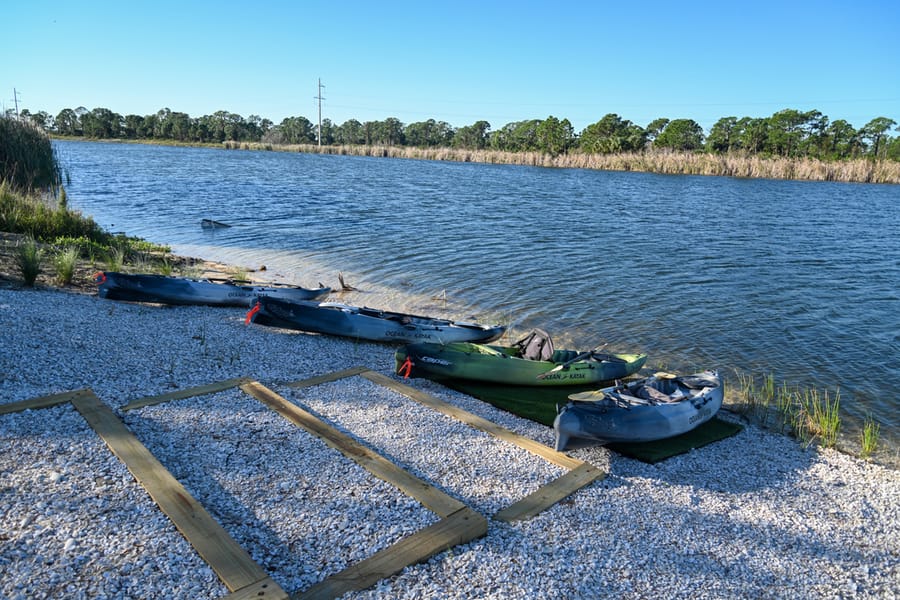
[753,516]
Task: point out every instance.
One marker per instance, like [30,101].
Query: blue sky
[457,61]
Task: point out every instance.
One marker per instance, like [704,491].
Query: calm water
[797,279]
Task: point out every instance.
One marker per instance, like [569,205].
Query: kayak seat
[537,345]
[562,356]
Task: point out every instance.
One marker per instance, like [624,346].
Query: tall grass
[667,162]
[28,259]
[65,261]
[27,160]
[807,414]
[869,437]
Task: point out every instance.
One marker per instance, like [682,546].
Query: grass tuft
[869,437]
[65,261]
[28,259]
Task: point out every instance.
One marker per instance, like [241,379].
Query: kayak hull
[624,414]
[183,291]
[366,323]
[499,364]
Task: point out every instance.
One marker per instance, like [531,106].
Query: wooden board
[199,390]
[557,458]
[232,564]
[551,493]
[42,401]
[433,499]
[265,589]
[458,528]
[327,377]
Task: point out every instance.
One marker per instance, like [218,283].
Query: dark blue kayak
[180,290]
[367,323]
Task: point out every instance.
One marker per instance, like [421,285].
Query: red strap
[406,366]
[99,277]
[250,314]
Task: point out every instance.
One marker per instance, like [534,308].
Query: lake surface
[796,279]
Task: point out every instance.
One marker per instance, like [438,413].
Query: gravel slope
[754,516]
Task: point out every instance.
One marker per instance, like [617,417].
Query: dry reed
[859,170]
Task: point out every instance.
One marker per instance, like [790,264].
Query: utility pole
[320,98]
[16,100]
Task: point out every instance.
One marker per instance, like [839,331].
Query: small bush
[64,262]
[28,259]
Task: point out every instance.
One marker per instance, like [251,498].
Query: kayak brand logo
[701,414]
[436,361]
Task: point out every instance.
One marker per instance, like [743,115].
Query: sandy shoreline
[755,515]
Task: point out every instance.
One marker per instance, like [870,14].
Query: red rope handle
[250,314]
[406,366]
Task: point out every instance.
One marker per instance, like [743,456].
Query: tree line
[788,133]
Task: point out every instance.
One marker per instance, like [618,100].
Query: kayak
[644,410]
[366,323]
[180,290]
[508,365]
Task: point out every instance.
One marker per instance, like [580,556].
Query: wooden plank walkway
[234,566]
[199,390]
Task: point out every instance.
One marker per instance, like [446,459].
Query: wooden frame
[579,475]
[235,568]
[459,523]
[239,573]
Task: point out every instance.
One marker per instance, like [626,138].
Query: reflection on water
[795,279]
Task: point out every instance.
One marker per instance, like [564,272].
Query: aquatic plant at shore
[666,162]
[805,413]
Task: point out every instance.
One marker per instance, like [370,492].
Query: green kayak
[509,365]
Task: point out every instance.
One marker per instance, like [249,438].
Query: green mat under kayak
[539,404]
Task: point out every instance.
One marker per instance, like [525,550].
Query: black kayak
[366,323]
[181,291]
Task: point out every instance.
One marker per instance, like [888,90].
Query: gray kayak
[367,323]
[180,290]
[644,410]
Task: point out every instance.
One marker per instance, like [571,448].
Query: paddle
[566,364]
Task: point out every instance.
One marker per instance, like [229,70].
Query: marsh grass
[869,437]
[666,162]
[64,262]
[115,259]
[27,160]
[28,259]
[805,413]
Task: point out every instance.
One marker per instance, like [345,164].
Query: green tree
[296,130]
[681,134]
[428,134]
[472,137]
[555,137]
[520,136]
[654,128]
[790,131]
[68,123]
[351,132]
[875,132]
[328,132]
[612,134]
[754,134]
[725,136]
[841,141]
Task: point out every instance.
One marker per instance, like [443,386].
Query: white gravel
[753,516]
